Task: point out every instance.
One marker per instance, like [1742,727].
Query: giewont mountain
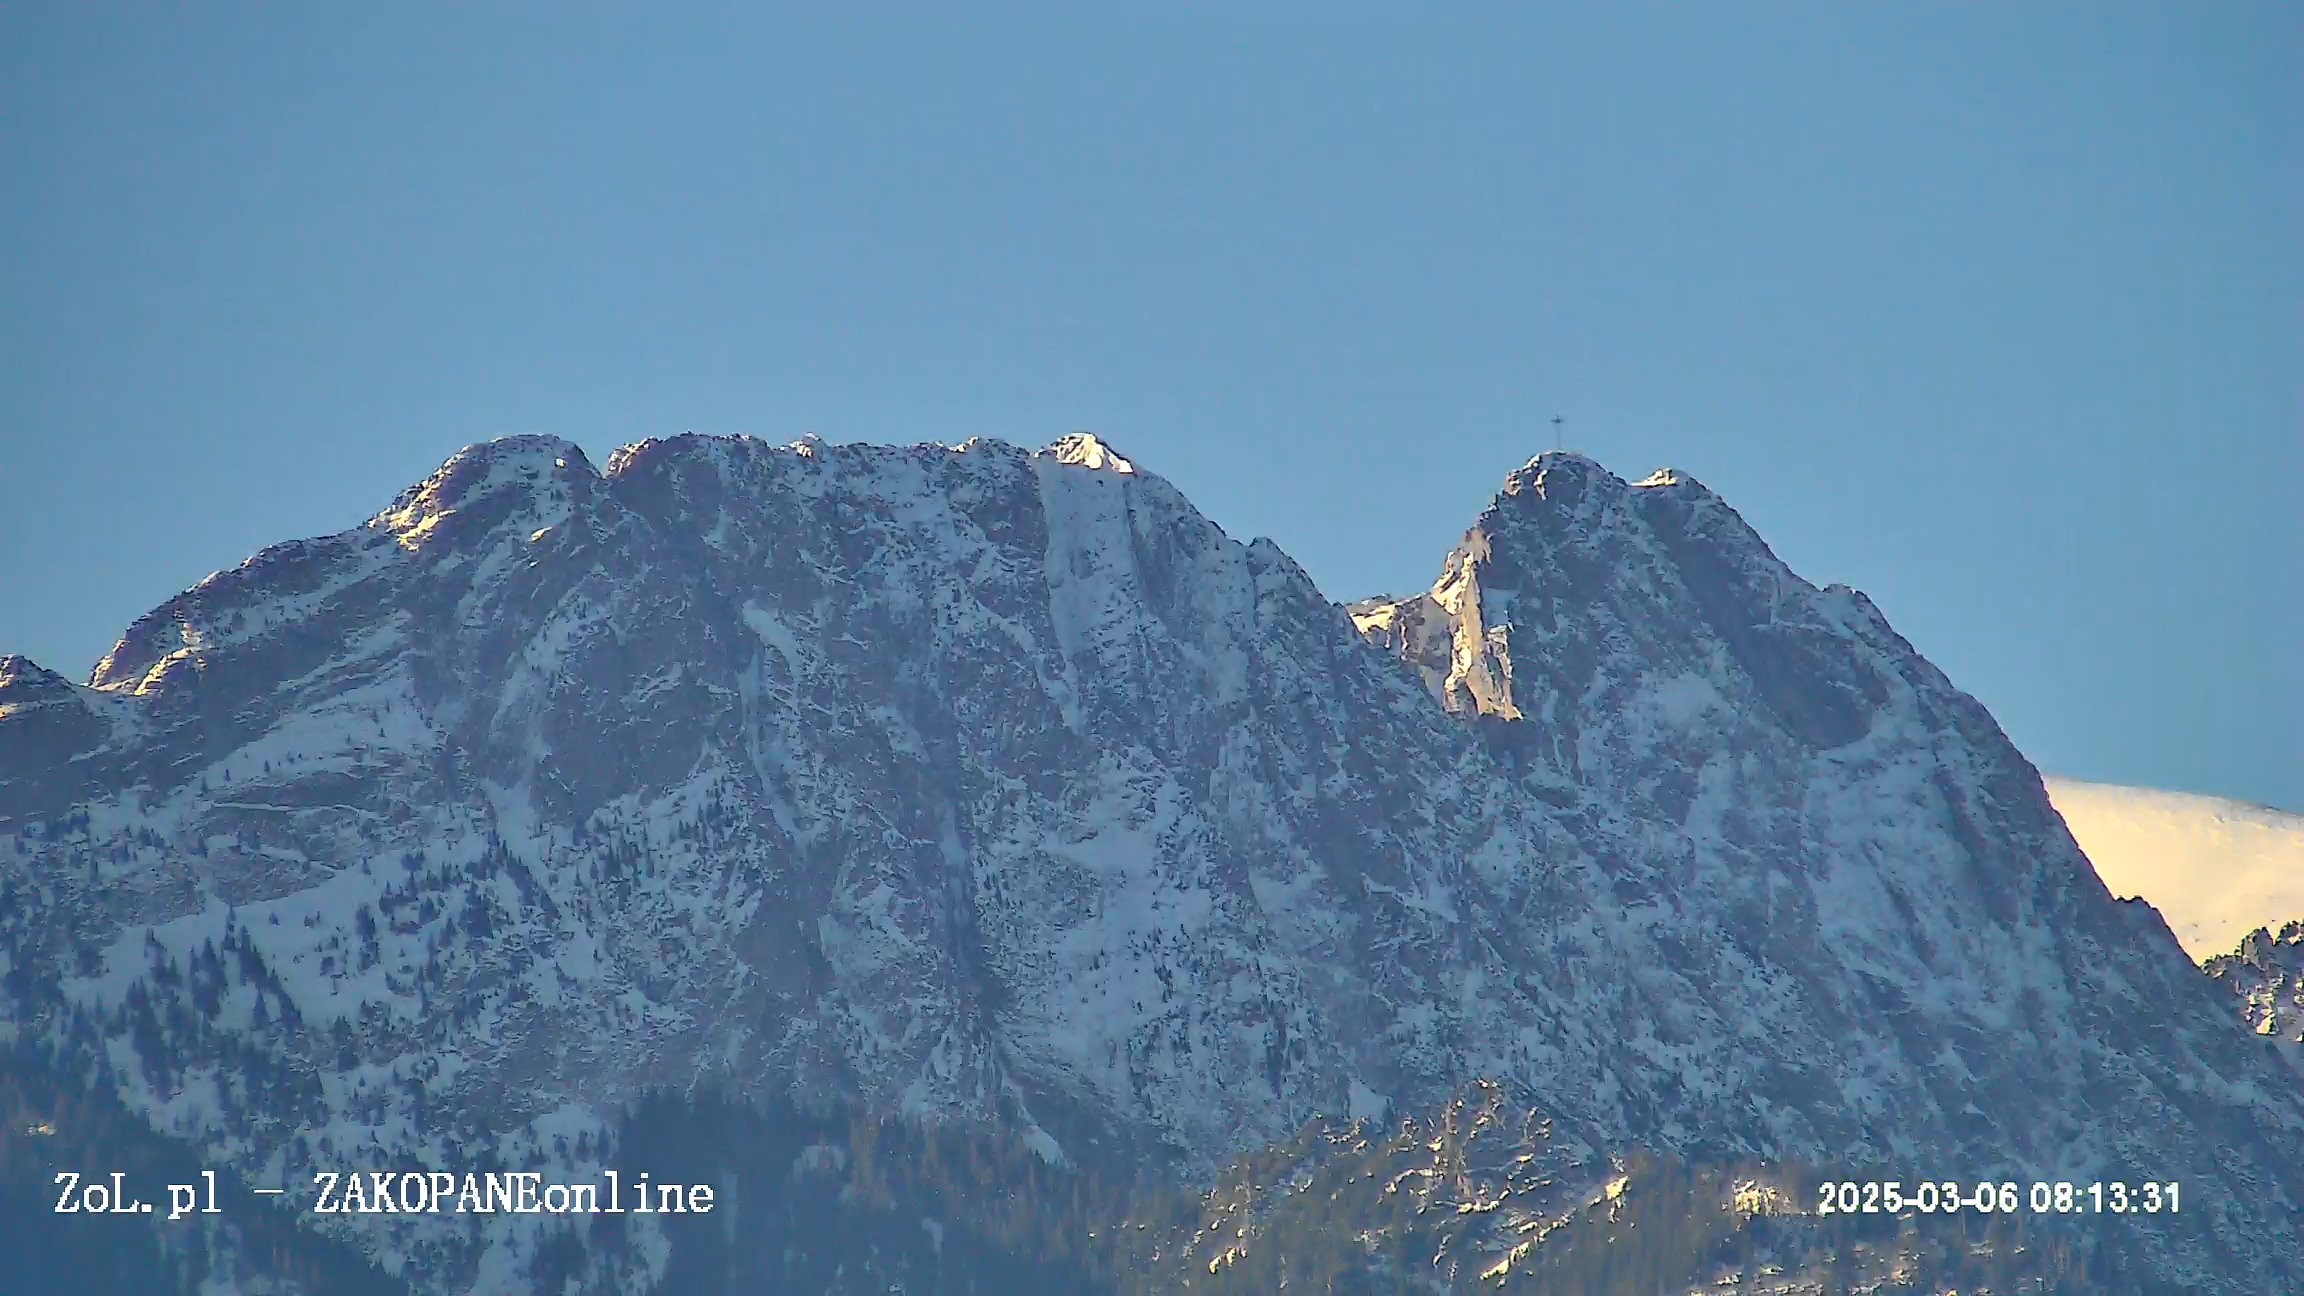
[979,784]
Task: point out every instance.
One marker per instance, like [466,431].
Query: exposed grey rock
[2266,974]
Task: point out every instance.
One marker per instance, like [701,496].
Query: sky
[1995,312]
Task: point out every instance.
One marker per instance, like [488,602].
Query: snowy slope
[2216,869]
[975,782]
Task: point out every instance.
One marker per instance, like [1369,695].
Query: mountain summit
[980,784]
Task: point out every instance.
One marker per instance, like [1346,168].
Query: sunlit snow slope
[2216,869]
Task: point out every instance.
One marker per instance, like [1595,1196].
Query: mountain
[2217,869]
[976,786]
[1832,846]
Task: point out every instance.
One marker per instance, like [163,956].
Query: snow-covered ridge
[2216,868]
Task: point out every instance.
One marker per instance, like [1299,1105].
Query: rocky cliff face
[2267,975]
[974,782]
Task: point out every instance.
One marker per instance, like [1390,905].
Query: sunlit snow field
[2216,869]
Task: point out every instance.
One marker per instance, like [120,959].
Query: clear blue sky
[1994,312]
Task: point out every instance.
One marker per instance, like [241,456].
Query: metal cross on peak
[1559,438]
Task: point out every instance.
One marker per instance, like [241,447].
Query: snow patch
[1084,450]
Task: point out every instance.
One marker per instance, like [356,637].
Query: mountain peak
[17,669]
[25,683]
[1086,450]
[1557,461]
[524,451]
[1559,478]
[478,472]
[1569,471]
